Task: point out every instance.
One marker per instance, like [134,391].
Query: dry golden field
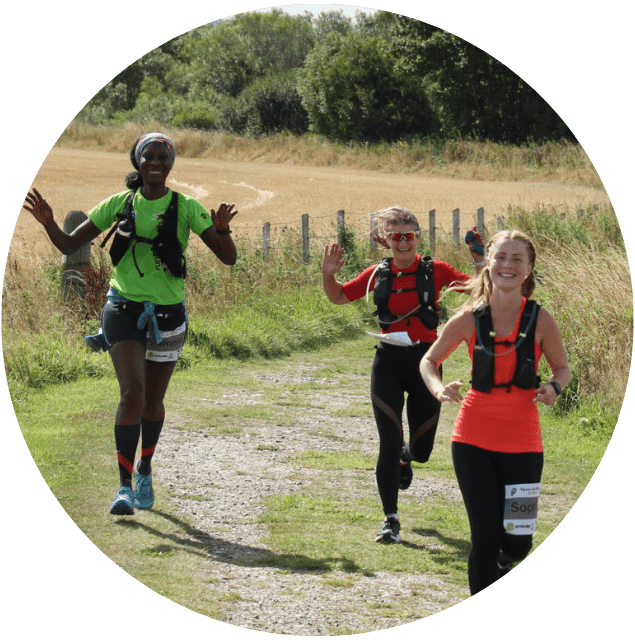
[281,193]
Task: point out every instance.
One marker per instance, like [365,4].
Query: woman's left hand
[451,392]
[223,216]
[546,394]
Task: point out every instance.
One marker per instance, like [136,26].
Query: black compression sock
[150,432]
[126,441]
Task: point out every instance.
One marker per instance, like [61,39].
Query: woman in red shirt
[496,443]
[406,290]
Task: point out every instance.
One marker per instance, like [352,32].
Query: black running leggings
[395,373]
[482,476]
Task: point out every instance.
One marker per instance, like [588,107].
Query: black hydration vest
[165,246]
[424,277]
[483,361]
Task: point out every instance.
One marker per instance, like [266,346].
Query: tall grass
[270,307]
[559,161]
[583,279]
[259,308]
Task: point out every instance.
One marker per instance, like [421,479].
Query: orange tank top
[504,420]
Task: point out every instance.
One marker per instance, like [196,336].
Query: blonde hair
[389,217]
[479,288]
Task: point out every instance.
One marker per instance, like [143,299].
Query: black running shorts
[120,324]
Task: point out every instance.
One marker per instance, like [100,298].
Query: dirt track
[282,193]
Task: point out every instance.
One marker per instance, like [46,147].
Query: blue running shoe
[123,503]
[143,492]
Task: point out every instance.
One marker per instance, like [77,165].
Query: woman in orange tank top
[496,443]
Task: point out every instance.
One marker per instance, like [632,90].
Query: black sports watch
[556,386]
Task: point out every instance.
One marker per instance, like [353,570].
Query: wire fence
[312,230]
[364,222]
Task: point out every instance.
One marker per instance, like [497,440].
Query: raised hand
[333,259]
[38,207]
[375,237]
[223,216]
[475,244]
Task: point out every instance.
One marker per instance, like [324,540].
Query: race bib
[521,508]
[170,347]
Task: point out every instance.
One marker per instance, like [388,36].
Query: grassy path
[266,500]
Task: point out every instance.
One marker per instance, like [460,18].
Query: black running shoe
[405,472]
[504,565]
[389,531]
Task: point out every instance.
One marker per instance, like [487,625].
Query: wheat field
[280,193]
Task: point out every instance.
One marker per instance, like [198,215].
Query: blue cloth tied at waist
[148,319]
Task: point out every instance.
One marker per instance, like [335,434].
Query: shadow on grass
[441,556]
[200,543]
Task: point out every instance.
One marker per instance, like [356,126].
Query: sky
[316,9]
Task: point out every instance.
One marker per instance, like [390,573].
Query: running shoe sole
[123,503]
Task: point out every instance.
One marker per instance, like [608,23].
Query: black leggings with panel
[395,374]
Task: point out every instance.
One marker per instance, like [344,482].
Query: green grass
[69,431]
[266,348]
[262,309]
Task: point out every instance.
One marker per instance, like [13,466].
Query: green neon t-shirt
[157,284]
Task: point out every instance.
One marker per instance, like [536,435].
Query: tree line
[377,77]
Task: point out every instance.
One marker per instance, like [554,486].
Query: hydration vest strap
[127,210]
[424,286]
[166,241]
[484,355]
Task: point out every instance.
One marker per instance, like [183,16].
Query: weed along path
[266,504]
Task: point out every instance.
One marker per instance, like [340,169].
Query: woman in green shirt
[144,322]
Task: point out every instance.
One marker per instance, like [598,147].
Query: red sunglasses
[397,237]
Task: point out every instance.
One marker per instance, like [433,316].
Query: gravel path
[231,476]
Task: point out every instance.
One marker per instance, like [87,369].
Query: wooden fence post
[73,274]
[456,226]
[373,228]
[432,230]
[266,239]
[305,238]
[341,227]
[480,222]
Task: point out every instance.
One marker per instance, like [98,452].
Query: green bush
[195,118]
